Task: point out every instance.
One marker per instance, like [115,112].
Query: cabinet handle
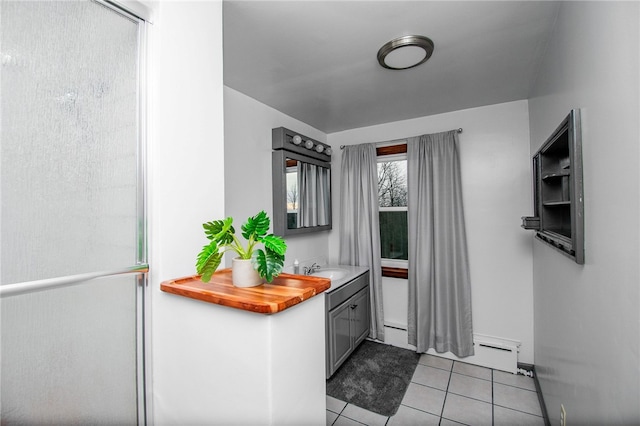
[353,306]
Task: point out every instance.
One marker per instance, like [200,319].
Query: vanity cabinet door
[340,341]
[360,315]
[347,327]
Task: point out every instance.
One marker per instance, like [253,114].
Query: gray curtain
[313,190]
[439,286]
[359,223]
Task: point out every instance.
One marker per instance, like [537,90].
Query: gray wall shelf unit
[558,191]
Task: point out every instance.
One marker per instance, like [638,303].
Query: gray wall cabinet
[558,191]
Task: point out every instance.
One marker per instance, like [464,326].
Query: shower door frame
[138,12]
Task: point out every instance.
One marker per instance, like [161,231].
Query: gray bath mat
[375,377]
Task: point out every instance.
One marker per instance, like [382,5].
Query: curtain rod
[459,130]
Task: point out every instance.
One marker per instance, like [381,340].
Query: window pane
[393,235]
[392,183]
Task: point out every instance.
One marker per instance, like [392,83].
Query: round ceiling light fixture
[405,52]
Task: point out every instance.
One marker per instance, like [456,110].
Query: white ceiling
[316,60]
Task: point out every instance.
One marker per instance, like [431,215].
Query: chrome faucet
[308,270]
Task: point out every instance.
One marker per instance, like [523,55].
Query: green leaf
[220,231]
[275,244]
[208,261]
[268,263]
[256,226]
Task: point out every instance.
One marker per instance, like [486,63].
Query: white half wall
[496,185]
[587,332]
[247,159]
[186,170]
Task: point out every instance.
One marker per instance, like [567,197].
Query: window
[392,198]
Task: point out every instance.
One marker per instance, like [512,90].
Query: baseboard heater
[498,353]
[489,351]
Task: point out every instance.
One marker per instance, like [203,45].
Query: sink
[331,273]
[338,274]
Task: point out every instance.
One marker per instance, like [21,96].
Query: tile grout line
[493,406]
[340,413]
[446,392]
[518,410]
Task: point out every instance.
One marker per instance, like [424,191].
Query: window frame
[392,267]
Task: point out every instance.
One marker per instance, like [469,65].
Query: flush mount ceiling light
[405,52]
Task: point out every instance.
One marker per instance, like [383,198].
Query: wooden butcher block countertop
[284,291]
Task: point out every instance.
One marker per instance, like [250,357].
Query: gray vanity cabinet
[347,320]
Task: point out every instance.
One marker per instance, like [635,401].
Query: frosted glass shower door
[73,244]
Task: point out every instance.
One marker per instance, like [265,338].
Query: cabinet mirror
[301,193]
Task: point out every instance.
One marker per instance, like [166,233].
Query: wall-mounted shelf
[556,203]
[558,194]
[560,175]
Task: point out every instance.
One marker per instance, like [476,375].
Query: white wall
[248,180]
[587,335]
[496,180]
[186,165]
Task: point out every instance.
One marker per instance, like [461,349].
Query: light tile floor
[446,393]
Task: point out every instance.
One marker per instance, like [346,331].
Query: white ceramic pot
[243,274]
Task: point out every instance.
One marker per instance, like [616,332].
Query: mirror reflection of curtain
[439,284]
[313,195]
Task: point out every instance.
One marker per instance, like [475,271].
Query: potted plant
[252,264]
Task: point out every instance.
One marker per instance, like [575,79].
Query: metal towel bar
[51,283]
